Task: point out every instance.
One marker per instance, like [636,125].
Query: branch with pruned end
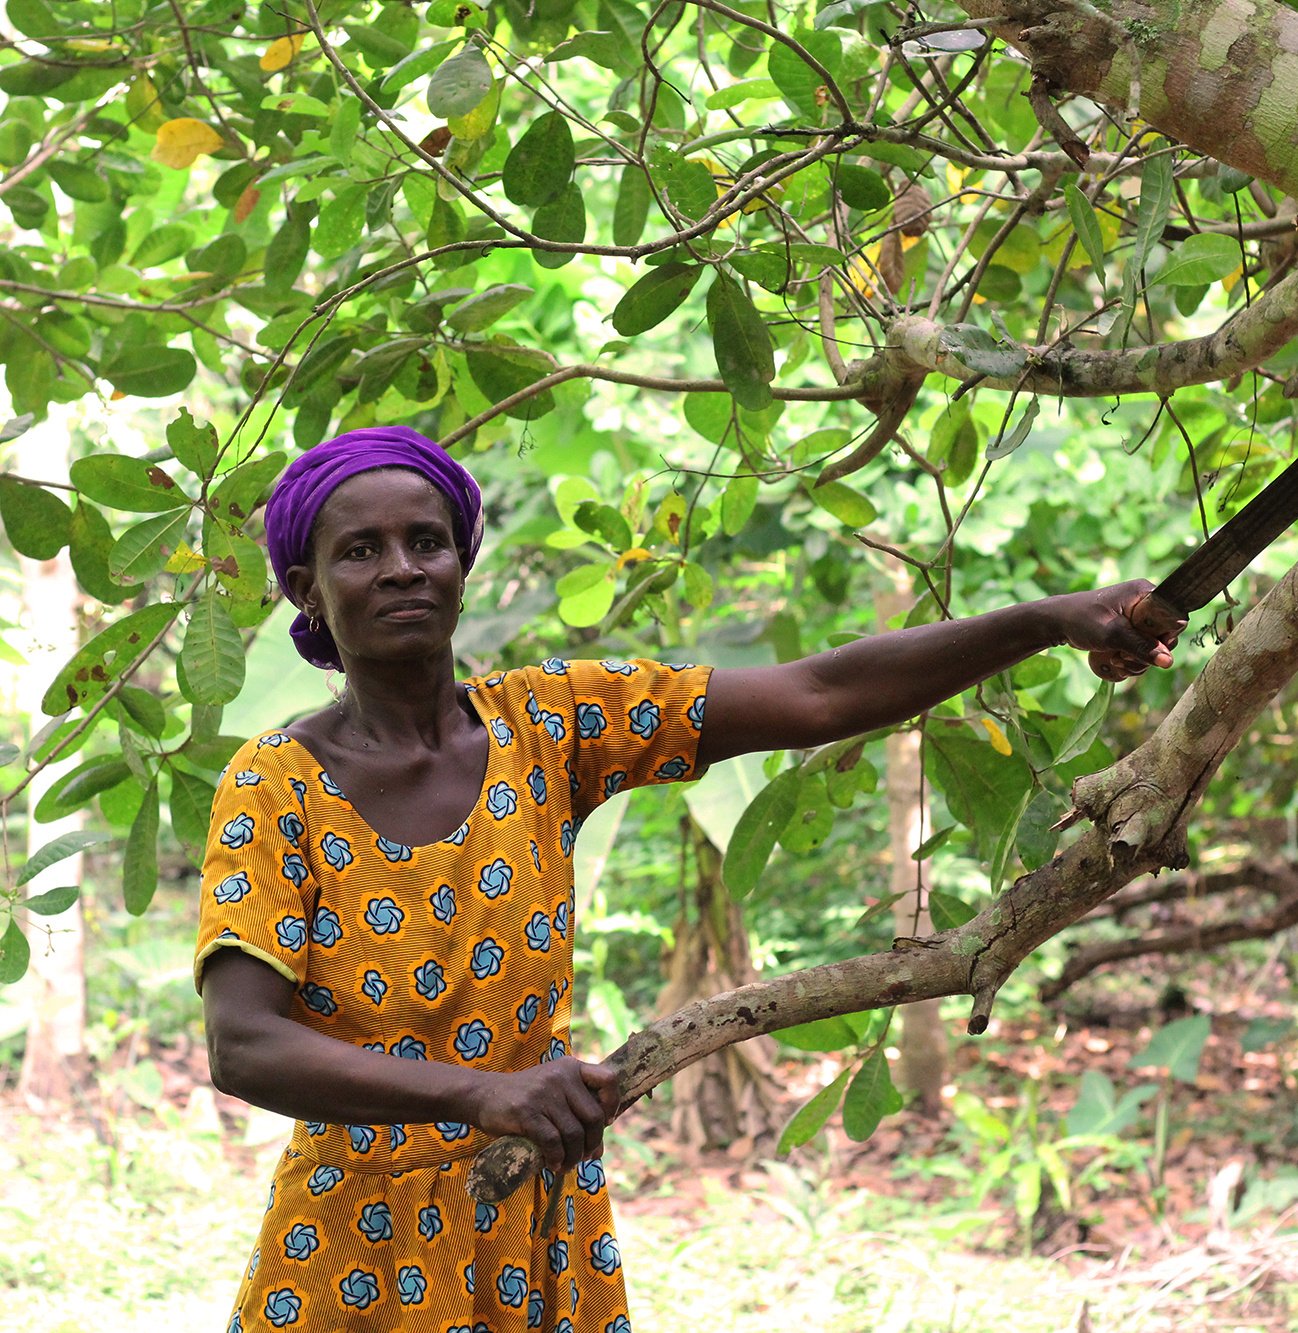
[1138,809]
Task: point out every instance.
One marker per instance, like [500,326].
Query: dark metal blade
[1234,546]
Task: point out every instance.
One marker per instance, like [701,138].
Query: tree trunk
[53,1061]
[730,1097]
[1219,75]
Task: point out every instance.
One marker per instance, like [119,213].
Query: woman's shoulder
[269,752]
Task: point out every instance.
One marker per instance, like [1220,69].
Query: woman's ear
[301,584]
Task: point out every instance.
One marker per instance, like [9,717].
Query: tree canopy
[733,306]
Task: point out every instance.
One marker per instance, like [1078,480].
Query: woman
[385,952]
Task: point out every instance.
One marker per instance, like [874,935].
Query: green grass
[144,1226]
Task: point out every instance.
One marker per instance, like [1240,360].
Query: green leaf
[1156,190]
[1199,260]
[1098,1112]
[741,343]
[808,1120]
[15,954]
[758,830]
[686,182]
[1088,724]
[1006,444]
[631,209]
[1005,845]
[605,522]
[475,314]
[861,187]
[562,219]
[37,523]
[52,901]
[89,543]
[460,83]
[870,1097]
[79,181]
[603,48]
[947,912]
[1178,1048]
[194,444]
[235,496]
[824,1034]
[144,549]
[760,266]
[144,708]
[341,222]
[655,296]
[124,483]
[79,787]
[1085,223]
[104,658]
[845,504]
[65,845]
[149,371]
[501,371]
[342,132]
[978,351]
[162,244]
[744,90]
[982,788]
[140,862]
[540,164]
[738,501]
[191,811]
[590,599]
[212,655]
[799,84]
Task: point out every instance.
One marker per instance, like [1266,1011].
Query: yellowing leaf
[185,560]
[183,140]
[999,743]
[142,104]
[281,52]
[635,553]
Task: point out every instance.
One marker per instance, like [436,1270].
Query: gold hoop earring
[461,603]
[313,623]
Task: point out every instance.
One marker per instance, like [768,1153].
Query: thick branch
[1242,343]
[1219,75]
[1140,807]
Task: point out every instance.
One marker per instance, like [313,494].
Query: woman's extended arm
[887,678]
[260,1054]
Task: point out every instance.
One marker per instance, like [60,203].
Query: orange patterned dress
[458,951]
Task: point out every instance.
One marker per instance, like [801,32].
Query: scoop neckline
[472,693]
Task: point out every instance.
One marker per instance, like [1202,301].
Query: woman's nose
[399,564]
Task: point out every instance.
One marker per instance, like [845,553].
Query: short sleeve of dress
[257,891]
[633,724]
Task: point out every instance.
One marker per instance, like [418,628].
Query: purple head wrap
[313,477]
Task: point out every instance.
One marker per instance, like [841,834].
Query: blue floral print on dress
[604,1255]
[495,879]
[291,827]
[535,1309]
[554,666]
[484,1217]
[233,888]
[645,718]
[326,929]
[246,778]
[430,1221]
[411,1284]
[527,1012]
[536,784]
[395,852]
[556,1254]
[301,1241]
[319,999]
[511,1285]
[383,916]
[409,1048]
[443,904]
[299,790]
[451,1130]
[290,931]
[359,1288]
[537,931]
[430,979]
[618,668]
[502,800]
[323,1179]
[337,851]
[283,1307]
[239,831]
[501,731]
[694,714]
[561,920]
[487,958]
[329,786]
[294,870]
[674,768]
[613,782]
[373,986]
[473,1039]
[591,721]
[375,1222]
[590,1176]
[362,1137]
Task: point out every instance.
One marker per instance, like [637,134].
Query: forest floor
[133,1211]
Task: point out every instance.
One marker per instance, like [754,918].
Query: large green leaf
[121,482]
[758,831]
[981,787]
[799,83]
[1200,260]
[191,810]
[1178,1048]
[459,83]
[500,371]
[485,308]
[631,209]
[15,954]
[870,1097]
[562,219]
[71,791]
[808,1120]
[140,862]
[149,370]
[540,164]
[94,668]
[37,523]
[144,549]
[652,298]
[65,845]
[90,542]
[741,343]
[212,655]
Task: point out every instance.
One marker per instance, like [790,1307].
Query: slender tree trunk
[729,1098]
[921,1036]
[54,1058]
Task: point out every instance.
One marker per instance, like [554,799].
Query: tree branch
[1139,809]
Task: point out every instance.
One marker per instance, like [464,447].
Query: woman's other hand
[1132,630]
[562,1106]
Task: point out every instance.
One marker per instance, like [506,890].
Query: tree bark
[1219,75]
[1139,810]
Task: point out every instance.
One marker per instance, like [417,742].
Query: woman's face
[385,574]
